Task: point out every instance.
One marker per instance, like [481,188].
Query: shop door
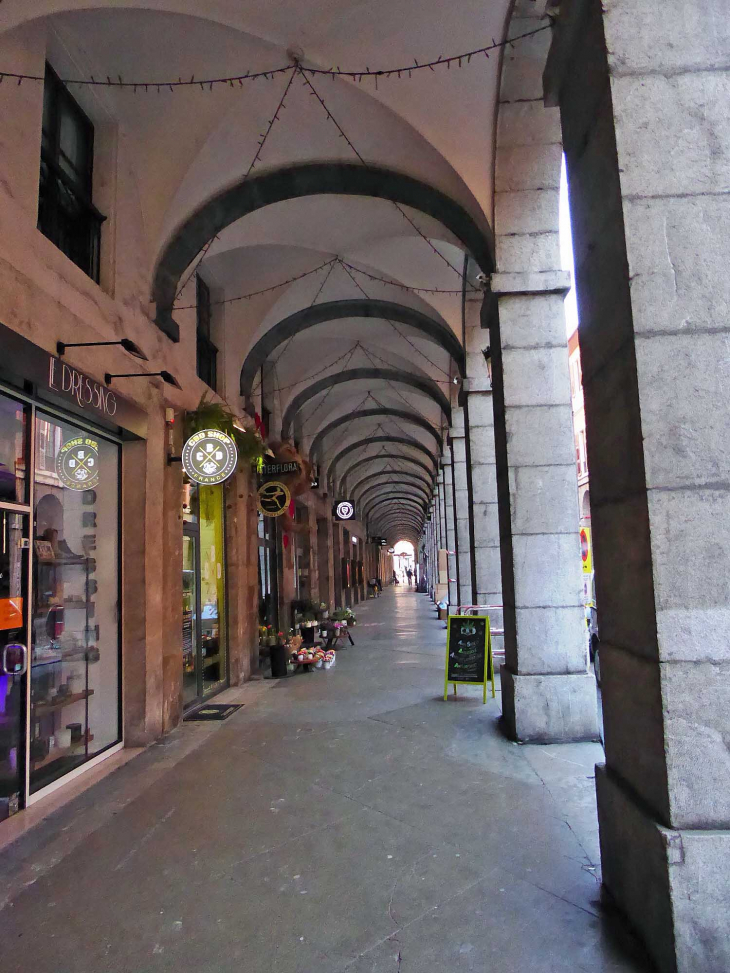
[13,658]
[191,618]
[14,581]
[204,647]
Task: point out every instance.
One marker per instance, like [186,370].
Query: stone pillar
[450,525]
[170,524]
[483,463]
[462,500]
[142,658]
[547,693]
[241,575]
[648,151]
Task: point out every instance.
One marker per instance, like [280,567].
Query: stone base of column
[549,709]
[672,885]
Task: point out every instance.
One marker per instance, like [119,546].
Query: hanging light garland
[237,80]
[315,270]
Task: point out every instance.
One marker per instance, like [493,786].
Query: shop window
[75,670]
[13,484]
[207,353]
[204,647]
[66,213]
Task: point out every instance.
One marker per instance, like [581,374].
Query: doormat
[216,711]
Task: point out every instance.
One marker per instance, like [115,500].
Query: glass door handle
[14,660]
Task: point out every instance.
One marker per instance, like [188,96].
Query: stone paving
[347,820]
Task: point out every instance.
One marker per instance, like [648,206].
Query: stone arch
[412,417]
[395,498]
[425,385]
[423,480]
[381,489]
[397,440]
[308,317]
[400,526]
[292,182]
[411,460]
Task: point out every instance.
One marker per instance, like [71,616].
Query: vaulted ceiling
[370,194]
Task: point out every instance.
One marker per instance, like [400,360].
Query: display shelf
[41,709]
[61,752]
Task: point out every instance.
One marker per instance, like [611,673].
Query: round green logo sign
[209,457]
[77,463]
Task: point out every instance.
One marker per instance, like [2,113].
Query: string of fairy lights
[238,80]
[308,73]
[398,285]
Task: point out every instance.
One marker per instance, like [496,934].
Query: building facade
[372,277]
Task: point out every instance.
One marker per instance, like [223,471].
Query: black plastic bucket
[277,654]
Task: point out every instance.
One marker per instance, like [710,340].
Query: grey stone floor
[342,820]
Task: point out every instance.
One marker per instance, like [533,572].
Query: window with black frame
[66,214]
[207,353]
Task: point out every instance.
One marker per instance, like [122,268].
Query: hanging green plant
[215,415]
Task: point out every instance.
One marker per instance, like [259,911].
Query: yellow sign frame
[588,563]
[488,660]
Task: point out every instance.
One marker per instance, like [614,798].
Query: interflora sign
[273,471]
[209,457]
[273,499]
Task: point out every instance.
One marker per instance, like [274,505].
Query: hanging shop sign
[273,499]
[585,550]
[77,463]
[209,457]
[469,653]
[344,510]
[274,471]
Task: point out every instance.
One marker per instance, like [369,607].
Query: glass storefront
[204,648]
[60,701]
[74,696]
[13,657]
[268,574]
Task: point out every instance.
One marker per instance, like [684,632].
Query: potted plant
[215,415]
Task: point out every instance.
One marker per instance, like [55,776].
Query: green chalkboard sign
[468,653]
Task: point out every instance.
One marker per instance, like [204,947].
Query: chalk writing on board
[467,649]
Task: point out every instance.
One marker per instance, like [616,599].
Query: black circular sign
[209,457]
[345,510]
[274,499]
[77,463]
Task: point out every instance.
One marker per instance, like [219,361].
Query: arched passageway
[340,260]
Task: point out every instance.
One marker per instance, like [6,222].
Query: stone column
[462,500]
[483,463]
[648,150]
[450,525]
[547,693]
[241,575]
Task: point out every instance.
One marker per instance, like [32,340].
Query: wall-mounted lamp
[126,343]
[165,376]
